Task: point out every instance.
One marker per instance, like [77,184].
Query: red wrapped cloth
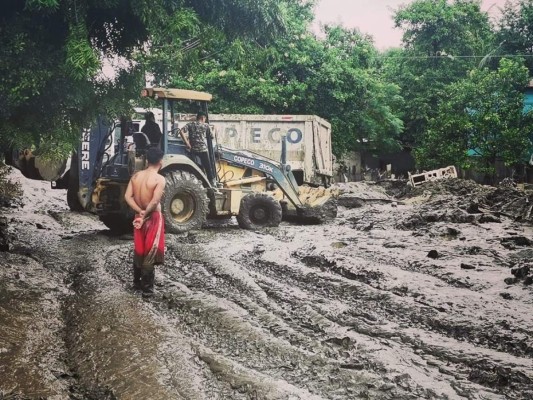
[149,241]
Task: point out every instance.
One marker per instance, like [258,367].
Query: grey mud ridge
[408,299]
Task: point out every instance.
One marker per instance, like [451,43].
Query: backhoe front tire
[259,210]
[184,204]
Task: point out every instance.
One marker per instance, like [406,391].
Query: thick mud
[422,296]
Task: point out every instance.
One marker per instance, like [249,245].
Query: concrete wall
[351,166]
[348,168]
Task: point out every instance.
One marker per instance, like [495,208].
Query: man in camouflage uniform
[196,142]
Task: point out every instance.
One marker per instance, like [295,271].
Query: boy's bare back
[147,186]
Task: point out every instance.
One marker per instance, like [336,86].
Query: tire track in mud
[496,373]
[440,317]
[503,326]
[501,377]
[353,309]
[370,334]
[122,344]
[223,326]
[281,298]
[233,290]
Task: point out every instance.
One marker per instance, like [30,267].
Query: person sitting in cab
[152,129]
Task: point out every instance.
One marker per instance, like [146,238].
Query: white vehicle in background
[309,151]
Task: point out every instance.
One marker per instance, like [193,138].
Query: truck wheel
[11,157]
[73,201]
[184,204]
[259,210]
[72,194]
[74,185]
[117,223]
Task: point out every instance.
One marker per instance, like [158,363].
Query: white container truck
[308,141]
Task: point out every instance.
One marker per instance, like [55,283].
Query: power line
[451,57]
[212,54]
[185,42]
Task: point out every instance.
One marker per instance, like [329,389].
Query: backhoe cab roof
[176,94]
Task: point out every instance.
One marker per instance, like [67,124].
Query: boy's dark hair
[200,114]
[149,115]
[154,155]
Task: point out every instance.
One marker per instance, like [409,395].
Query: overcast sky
[375,16]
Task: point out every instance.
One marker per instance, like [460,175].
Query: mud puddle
[395,299]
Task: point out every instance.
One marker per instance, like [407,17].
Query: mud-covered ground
[426,296]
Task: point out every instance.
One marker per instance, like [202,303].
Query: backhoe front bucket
[319,205]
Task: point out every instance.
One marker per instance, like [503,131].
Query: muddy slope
[423,296]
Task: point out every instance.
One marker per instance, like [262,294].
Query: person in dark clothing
[196,142]
[152,129]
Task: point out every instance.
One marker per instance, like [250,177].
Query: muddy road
[395,299]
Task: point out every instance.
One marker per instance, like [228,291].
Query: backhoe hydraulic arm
[279,173]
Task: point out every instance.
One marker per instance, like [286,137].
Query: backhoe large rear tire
[184,204]
[259,210]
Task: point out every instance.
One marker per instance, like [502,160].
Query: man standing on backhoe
[196,142]
[143,195]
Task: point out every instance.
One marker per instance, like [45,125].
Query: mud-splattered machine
[255,189]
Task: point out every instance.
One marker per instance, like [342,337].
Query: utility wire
[451,57]
[212,54]
[185,41]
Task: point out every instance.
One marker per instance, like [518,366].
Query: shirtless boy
[143,195]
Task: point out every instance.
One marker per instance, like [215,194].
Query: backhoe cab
[255,189]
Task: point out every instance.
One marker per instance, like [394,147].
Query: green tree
[442,41]
[52,52]
[248,77]
[480,120]
[334,77]
[351,93]
[515,31]
[50,57]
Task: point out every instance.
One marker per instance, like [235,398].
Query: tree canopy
[515,31]
[447,80]
[52,53]
[479,120]
[334,77]
[442,41]
[463,103]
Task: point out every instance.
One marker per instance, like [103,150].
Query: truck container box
[308,141]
